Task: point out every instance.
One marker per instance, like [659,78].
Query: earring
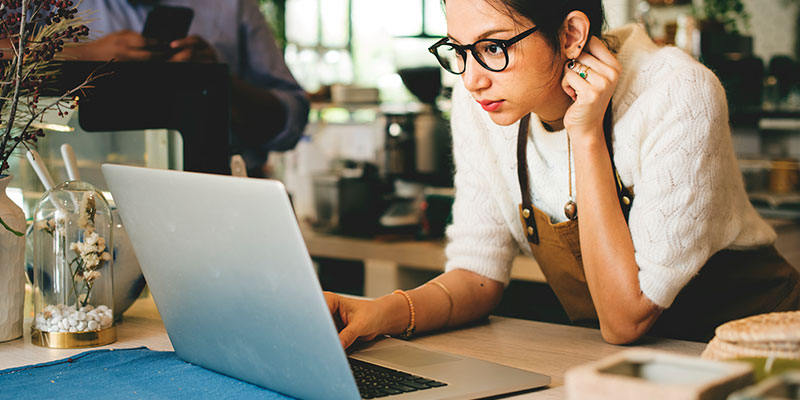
[571,63]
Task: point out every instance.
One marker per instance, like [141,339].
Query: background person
[269,109]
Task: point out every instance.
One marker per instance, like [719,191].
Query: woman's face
[528,84]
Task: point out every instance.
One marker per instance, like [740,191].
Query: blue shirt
[239,33]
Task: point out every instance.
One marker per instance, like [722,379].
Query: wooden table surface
[545,348]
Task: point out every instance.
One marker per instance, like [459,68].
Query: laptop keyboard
[375,381]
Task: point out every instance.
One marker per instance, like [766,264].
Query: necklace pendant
[571,210]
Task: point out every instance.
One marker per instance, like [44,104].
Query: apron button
[530,231]
[526,213]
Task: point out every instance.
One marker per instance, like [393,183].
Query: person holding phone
[269,108]
[607,158]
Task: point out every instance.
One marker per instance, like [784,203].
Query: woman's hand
[592,93]
[354,318]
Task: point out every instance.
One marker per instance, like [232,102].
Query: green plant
[729,13]
[275,13]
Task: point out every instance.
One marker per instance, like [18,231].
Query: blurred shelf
[779,206]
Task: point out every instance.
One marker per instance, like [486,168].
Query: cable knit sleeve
[689,186]
[479,239]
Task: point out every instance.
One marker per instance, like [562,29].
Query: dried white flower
[48,225]
[87,211]
[91,260]
[91,239]
[90,276]
[91,253]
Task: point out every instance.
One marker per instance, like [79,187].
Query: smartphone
[165,24]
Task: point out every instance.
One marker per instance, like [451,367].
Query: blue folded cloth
[138,373]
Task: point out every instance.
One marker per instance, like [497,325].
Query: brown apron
[731,285]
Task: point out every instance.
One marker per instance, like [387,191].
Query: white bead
[105,321]
[81,326]
[88,308]
[72,321]
[73,329]
[62,330]
[92,325]
[102,308]
[55,319]
[40,319]
[81,316]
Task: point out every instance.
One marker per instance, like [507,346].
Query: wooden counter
[390,265]
[548,349]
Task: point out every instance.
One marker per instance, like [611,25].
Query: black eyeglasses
[491,54]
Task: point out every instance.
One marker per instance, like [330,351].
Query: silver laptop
[234,284]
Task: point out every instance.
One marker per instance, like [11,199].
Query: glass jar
[72,268]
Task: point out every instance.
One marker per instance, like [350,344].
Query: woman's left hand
[591,93]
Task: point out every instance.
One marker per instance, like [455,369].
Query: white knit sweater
[672,144]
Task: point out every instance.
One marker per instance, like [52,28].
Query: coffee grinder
[418,148]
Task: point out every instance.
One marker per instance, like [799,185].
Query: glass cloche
[72,268]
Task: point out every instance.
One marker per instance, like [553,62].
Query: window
[362,42]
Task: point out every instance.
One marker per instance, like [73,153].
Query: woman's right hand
[354,318]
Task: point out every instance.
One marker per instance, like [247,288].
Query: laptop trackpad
[408,356]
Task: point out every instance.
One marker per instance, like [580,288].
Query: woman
[666,241]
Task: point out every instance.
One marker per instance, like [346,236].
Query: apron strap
[623,193]
[532,233]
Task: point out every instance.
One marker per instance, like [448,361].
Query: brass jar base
[74,340]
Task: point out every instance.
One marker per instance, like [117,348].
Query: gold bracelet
[449,297]
[412,326]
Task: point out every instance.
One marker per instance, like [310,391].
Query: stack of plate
[773,335]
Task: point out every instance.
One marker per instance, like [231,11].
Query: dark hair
[549,15]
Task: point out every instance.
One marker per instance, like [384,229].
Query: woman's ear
[574,34]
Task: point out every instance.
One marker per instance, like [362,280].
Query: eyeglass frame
[462,50]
